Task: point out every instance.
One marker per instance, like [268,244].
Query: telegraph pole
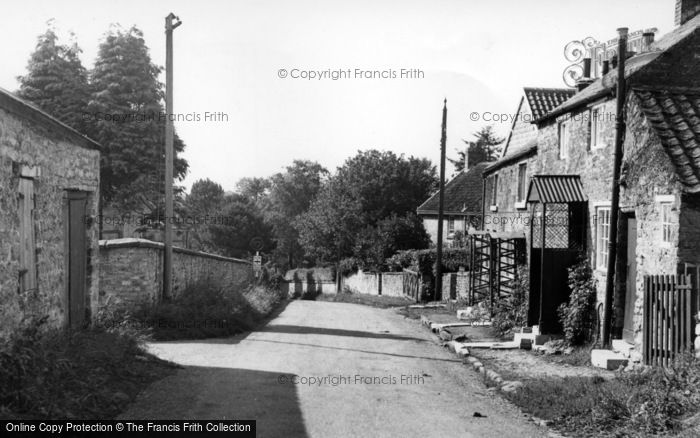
[169,154]
[441,205]
[615,201]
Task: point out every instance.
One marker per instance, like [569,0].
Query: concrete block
[697,329]
[622,347]
[608,359]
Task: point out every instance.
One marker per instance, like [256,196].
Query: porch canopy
[557,238]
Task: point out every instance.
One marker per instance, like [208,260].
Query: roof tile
[675,118]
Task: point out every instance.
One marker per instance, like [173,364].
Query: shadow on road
[356,350]
[306,330]
[214,393]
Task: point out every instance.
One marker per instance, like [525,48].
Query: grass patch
[380,301]
[91,374]
[579,357]
[645,402]
[205,311]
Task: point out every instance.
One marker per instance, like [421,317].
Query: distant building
[462,205]
[49,179]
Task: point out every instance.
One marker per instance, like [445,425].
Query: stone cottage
[462,205]
[660,182]
[49,179]
[506,180]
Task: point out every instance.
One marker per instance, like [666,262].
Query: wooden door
[27,250]
[631,282]
[77,257]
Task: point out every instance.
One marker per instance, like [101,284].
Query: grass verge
[90,374]
[646,402]
[204,311]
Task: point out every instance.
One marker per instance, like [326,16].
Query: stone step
[608,359]
[622,347]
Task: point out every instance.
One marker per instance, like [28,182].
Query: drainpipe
[615,202]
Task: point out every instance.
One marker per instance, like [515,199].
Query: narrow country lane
[392,380]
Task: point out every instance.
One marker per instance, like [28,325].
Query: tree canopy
[369,187]
[486,146]
[56,81]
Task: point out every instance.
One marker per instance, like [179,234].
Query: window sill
[522,205]
[493,208]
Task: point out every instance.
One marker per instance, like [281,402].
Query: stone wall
[57,160]
[455,284]
[374,283]
[510,215]
[647,174]
[131,271]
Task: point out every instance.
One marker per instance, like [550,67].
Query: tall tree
[291,193]
[369,187]
[56,81]
[241,229]
[203,207]
[486,146]
[254,188]
[129,121]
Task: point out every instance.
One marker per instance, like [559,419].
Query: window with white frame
[450,225]
[602,237]
[564,139]
[597,124]
[522,181]
[666,223]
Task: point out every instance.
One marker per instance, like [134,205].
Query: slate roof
[544,100]
[462,194]
[530,148]
[675,117]
[635,66]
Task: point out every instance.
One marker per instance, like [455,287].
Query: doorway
[76,252]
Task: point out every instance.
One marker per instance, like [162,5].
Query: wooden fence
[411,284]
[668,315]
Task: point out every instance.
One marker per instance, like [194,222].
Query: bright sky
[228,54]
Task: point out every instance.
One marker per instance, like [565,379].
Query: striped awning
[556,189]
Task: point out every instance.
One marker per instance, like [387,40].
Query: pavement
[324,369]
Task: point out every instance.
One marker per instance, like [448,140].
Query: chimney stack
[686,10]
[586,68]
[647,41]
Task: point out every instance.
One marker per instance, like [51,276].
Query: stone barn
[49,180]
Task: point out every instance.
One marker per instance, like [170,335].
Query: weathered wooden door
[77,257]
[631,288]
[27,250]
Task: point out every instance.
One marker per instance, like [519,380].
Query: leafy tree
[291,193]
[56,80]
[125,86]
[241,229]
[203,205]
[369,187]
[254,188]
[392,234]
[485,147]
